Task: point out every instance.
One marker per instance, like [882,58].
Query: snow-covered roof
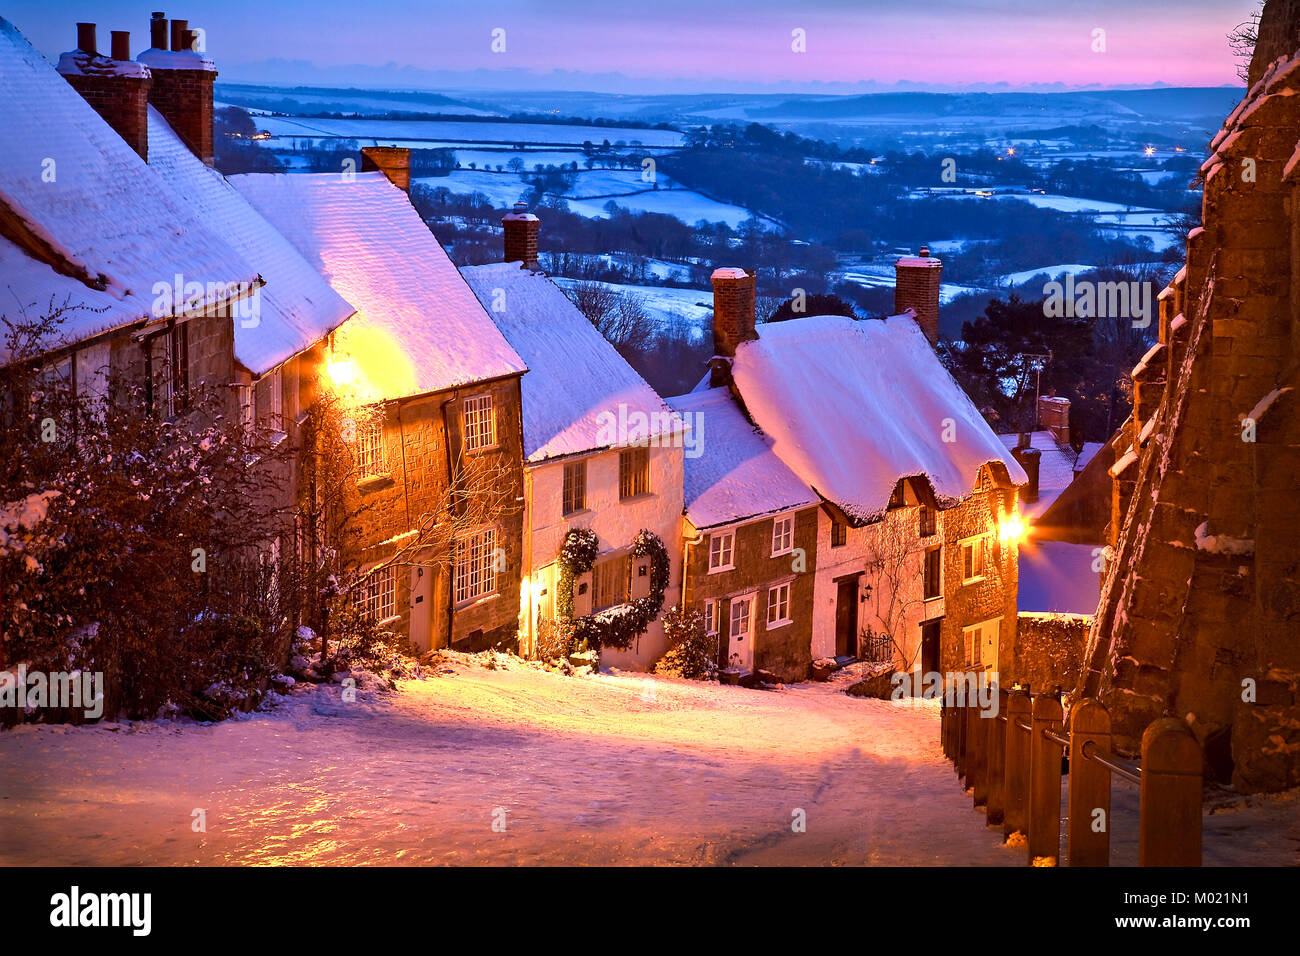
[87,220]
[853,406]
[296,306]
[738,476]
[577,382]
[418,327]
[1057,467]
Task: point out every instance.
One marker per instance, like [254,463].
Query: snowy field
[612,769]
[451,131]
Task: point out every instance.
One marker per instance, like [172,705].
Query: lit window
[633,472]
[972,558]
[782,535]
[575,487]
[778,605]
[378,594]
[370,449]
[721,551]
[610,579]
[476,566]
[479,422]
[981,643]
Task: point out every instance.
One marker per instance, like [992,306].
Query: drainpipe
[687,544]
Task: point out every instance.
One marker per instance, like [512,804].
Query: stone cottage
[602,454]
[915,545]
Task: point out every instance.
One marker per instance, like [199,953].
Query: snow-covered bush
[555,639]
[692,653]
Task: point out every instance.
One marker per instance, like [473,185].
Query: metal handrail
[1120,768]
[1057,739]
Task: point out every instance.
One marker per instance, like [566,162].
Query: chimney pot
[178,30]
[925,252]
[86,38]
[733,309]
[158,30]
[121,44]
[187,39]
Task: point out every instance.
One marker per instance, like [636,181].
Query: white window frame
[379,594]
[478,422]
[722,543]
[711,617]
[247,408]
[782,535]
[574,474]
[275,400]
[778,600]
[476,574]
[973,637]
[369,445]
[975,545]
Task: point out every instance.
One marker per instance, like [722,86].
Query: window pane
[480,423]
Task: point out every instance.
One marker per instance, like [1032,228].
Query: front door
[846,619]
[740,647]
[930,647]
[421,606]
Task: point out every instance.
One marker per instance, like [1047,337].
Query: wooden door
[846,619]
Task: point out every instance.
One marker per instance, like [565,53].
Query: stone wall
[1200,605]
[1048,651]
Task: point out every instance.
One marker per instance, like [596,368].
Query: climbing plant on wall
[617,626]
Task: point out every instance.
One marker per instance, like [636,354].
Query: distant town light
[1150,151]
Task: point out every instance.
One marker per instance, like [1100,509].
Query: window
[927,521]
[575,487]
[740,612]
[633,472]
[896,499]
[710,616]
[378,594]
[932,579]
[167,371]
[246,418]
[479,422]
[782,535]
[972,558]
[273,400]
[839,533]
[778,605]
[611,579]
[981,643]
[370,449]
[476,566]
[722,548]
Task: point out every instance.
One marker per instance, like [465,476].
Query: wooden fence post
[997,761]
[960,710]
[944,722]
[1170,806]
[977,736]
[1089,787]
[1045,782]
[1015,789]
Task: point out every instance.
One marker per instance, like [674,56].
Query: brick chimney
[393,161]
[182,83]
[1054,415]
[116,88]
[521,228]
[916,287]
[733,310]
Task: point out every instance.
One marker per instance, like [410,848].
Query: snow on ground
[619,768]
[674,310]
[469,132]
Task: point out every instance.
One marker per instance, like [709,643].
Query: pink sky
[944,42]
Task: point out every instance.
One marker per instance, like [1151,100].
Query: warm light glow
[1150,151]
[1013,529]
[341,371]
[1011,151]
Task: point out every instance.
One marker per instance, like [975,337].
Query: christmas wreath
[620,625]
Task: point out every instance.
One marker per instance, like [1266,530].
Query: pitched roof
[296,306]
[418,327]
[1057,466]
[738,475]
[854,406]
[76,202]
[577,384]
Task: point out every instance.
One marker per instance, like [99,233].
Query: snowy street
[612,769]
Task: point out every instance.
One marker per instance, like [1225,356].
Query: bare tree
[894,565]
[1242,39]
[619,316]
